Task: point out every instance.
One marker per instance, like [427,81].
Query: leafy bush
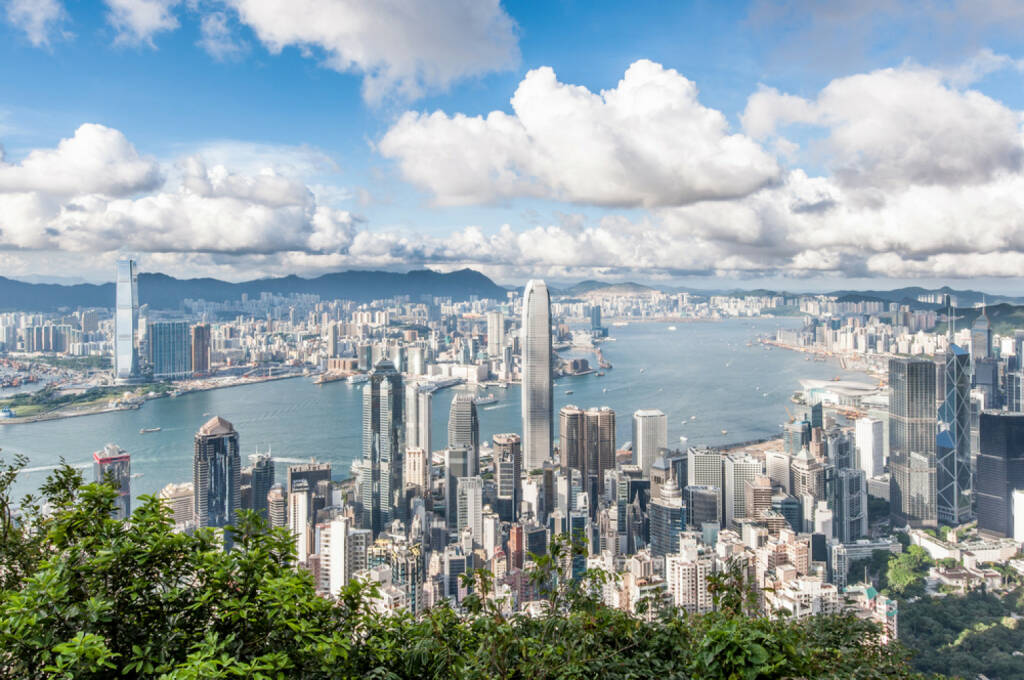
[85,596]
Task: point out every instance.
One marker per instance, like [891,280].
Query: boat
[683,440]
[147,430]
[604,389]
[568,391]
[486,399]
[6,413]
[671,328]
[600,374]
[725,431]
[693,417]
[357,378]
[642,370]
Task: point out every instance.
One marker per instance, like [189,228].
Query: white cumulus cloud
[647,142]
[39,19]
[137,21]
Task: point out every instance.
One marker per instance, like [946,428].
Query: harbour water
[704,376]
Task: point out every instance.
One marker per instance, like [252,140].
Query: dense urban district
[898,500]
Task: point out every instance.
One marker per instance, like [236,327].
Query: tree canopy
[83,595]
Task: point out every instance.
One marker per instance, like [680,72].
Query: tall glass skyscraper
[1000,470]
[912,439]
[216,473]
[126,322]
[953,448]
[463,425]
[380,472]
[170,350]
[536,387]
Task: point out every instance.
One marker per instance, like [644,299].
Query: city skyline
[756,167]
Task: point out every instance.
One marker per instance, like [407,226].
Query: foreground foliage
[85,596]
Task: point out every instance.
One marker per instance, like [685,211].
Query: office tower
[417,360]
[181,500]
[200,342]
[114,465]
[277,509]
[776,465]
[839,449]
[463,424]
[300,502]
[912,430]
[704,468]
[380,482]
[1015,391]
[868,440]
[417,470]
[595,317]
[536,375]
[425,412]
[458,463]
[508,471]
[262,479]
[1000,470]
[808,476]
[795,436]
[816,415]
[216,468]
[703,504]
[791,508]
[850,506]
[650,436]
[364,357]
[412,416]
[570,438]
[981,337]
[667,518]
[758,494]
[587,444]
[495,333]
[953,447]
[738,470]
[170,354]
[126,322]
[318,481]
[469,508]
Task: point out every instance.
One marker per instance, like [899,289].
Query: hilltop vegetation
[85,596]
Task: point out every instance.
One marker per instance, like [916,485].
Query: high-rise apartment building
[126,322]
[536,375]
[704,469]
[380,473]
[912,438]
[850,505]
[300,502]
[114,465]
[650,436]
[180,498]
[200,345]
[216,469]
[953,448]
[277,507]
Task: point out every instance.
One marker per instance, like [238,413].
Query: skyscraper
[201,348]
[850,505]
[114,464]
[463,424]
[737,471]
[587,444]
[470,506]
[704,469]
[262,479]
[870,449]
[536,383]
[667,518]
[216,468]
[170,353]
[650,435]
[458,464]
[126,322]
[299,506]
[495,333]
[1000,470]
[508,469]
[953,451]
[380,478]
[981,337]
[912,434]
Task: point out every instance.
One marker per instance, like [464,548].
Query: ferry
[568,391]
[693,417]
[671,328]
[486,399]
[147,430]
[6,413]
[600,374]
[642,370]
[725,431]
[357,378]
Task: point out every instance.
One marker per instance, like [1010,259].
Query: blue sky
[797,144]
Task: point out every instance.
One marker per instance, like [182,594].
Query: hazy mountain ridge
[161,291]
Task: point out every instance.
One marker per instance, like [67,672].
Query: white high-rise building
[650,435]
[423,413]
[495,333]
[470,506]
[298,518]
[335,554]
[417,469]
[686,576]
[868,439]
[536,383]
[412,415]
[738,470]
[126,322]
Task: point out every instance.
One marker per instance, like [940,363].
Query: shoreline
[60,414]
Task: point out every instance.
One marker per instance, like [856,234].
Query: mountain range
[161,291]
